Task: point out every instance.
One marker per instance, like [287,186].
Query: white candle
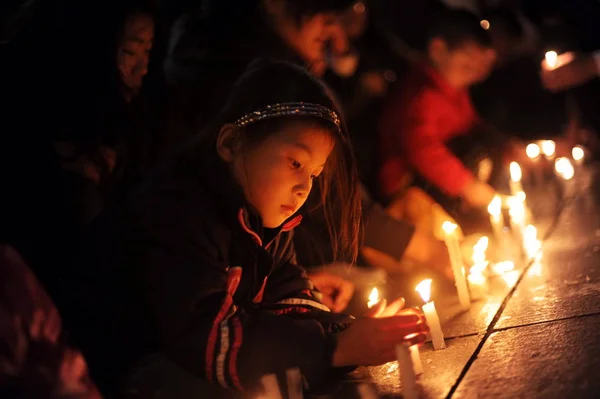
[578,154]
[294,383]
[408,377]
[497,222]
[415,355]
[271,386]
[478,287]
[549,149]
[433,320]
[457,263]
[551,59]
[531,243]
[516,175]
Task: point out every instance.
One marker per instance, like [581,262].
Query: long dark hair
[336,193]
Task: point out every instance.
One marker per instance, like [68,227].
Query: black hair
[505,21]
[456,27]
[299,9]
[336,192]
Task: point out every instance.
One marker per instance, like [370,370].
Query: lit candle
[497,222]
[518,215]
[515,179]
[373,298]
[578,154]
[533,151]
[457,264]
[530,242]
[408,377]
[549,149]
[271,386]
[564,168]
[476,278]
[433,320]
[552,60]
[501,268]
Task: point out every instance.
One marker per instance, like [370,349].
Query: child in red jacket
[429,125]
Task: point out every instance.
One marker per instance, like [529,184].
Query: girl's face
[277,174]
[134,50]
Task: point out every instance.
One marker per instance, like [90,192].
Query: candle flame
[577,153]
[533,150]
[521,196]
[449,227]
[517,210]
[485,24]
[511,278]
[476,279]
[482,244]
[548,148]
[564,168]
[495,207]
[515,172]
[551,59]
[530,242]
[424,289]
[504,267]
[373,297]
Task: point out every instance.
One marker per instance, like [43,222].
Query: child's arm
[191,289]
[425,151]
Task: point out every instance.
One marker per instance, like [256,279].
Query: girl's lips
[288,210]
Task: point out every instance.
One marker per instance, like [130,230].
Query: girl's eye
[295,164]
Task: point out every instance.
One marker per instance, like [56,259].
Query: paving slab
[559,359]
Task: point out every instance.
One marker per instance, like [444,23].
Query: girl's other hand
[372,341]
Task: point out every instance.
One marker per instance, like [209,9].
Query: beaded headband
[284,109]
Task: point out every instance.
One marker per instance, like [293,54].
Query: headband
[283,109]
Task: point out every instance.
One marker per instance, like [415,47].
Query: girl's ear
[229,142]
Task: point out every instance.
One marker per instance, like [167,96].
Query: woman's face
[134,50]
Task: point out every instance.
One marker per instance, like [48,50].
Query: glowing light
[521,196]
[449,227]
[548,148]
[517,211]
[515,172]
[578,153]
[503,267]
[479,253]
[511,278]
[495,207]
[424,289]
[373,298]
[533,151]
[564,168]
[535,270]
[359,7]
[476,279]
[551,59]
[530,241]
[485,24]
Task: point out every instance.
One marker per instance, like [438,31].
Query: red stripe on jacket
[234,275]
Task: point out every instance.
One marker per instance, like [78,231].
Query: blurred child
[429,127]
[199,263]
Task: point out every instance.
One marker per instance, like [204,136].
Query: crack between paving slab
[580,316]
[564,202]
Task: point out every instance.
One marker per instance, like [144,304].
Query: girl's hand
[336,290]
[372,341]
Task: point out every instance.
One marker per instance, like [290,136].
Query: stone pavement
[538,333]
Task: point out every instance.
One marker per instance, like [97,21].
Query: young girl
[199,264]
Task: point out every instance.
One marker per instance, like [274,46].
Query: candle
[518,214]
[433,320]
[497,222]
[564,168]
[530,242]
[533,151]
[271,386]
[552,60]
[578,154]
[549,148]
[373,298]
[476,279]
[408,377]
[501,268]
[294,383]
[457,264]
[515,179]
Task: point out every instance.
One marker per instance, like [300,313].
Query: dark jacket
[184,267]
